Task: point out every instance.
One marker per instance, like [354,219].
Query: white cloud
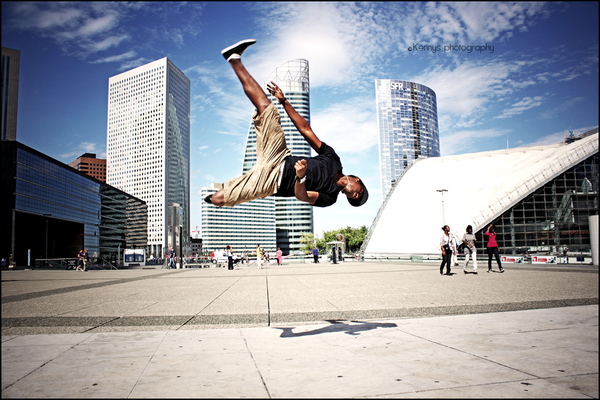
[557,137]
[464,89]
[79,149]
[348,127]
[104,44]
[348,40]
[466,140]
[134,63]
[73,24]
[94,26]
[30,16]
[521,106]
[84,28]
[554,112]
[117,58]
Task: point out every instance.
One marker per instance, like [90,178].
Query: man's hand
[300,167]
[300,188]
[276,91]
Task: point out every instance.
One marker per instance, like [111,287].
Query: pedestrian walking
[446,251]
[80,261]
[315,254]
[229,257]
[454,248]
[492,248]
[259,255]
[86,259]
[470,249]
[279,256]
[172,259]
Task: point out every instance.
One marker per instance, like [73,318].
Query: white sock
[234,56]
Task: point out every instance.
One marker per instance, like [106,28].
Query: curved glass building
[408,127]
[49,210]
[540,200]
[292,217]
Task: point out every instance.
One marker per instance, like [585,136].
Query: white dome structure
[478,189]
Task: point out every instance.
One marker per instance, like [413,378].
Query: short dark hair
[469,229]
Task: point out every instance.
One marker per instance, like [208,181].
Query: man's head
[356,191]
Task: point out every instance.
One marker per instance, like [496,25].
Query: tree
[308,242]
[354,238]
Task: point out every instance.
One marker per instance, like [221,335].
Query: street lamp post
[443,211]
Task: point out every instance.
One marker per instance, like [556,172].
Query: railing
[71,263]
[56,263]
[401,257]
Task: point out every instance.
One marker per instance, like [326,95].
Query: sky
[505,75]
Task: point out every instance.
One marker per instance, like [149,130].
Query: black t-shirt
[320,176]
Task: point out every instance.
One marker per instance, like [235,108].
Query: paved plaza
[354,329]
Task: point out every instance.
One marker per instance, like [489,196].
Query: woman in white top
[469,241]
[454,247]
[446,251]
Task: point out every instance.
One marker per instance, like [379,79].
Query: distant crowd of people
[451,248]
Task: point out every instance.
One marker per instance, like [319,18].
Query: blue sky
[534,76]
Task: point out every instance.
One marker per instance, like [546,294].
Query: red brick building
[94,167]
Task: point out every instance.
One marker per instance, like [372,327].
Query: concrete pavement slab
[362,330]
[395,358]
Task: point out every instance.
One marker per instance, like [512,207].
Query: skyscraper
[10,92]
[408,127]
[148,147]
[292,217]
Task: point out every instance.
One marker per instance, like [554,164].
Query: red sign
[512,259]
[543,259]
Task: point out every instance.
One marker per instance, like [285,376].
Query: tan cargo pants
[271,150]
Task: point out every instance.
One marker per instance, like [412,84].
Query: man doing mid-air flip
[315,180]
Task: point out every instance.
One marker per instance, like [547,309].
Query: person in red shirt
[492,248]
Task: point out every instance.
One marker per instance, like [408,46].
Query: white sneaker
[236,50]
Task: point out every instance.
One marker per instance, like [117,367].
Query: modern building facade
[293,217]
[50,210]
[540,200]
[242,227]
[89,164]
[148,145]
[408,127]
[10,92]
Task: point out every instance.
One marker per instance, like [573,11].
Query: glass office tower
[408,127]
[292,217]
[148,145]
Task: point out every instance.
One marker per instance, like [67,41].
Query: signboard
[543,259]
[512,259]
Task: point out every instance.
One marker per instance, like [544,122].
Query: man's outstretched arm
[299,122]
